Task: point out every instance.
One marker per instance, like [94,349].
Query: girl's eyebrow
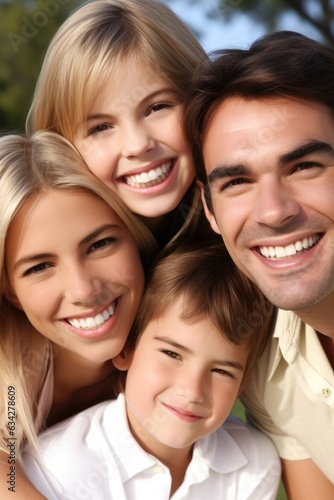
[232,364]
[153,95]
[28,259]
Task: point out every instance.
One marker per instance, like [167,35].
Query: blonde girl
[113,82]
[71,280]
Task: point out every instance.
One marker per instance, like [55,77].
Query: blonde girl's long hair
[29,166]
[85,52]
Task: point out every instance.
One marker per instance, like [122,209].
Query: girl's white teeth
[289,250]
[150,178]
[91,322]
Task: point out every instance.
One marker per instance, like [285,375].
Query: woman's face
[133,141]
[74,269]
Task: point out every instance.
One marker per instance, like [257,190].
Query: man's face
[270,166]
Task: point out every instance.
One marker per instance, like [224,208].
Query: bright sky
[216,33]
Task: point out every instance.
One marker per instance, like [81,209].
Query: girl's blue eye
[159,107]
[99,128]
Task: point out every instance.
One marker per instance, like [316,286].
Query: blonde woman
[71,280]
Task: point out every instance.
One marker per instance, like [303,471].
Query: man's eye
[232,183]
[306,165]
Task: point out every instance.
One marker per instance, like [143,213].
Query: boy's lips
[149,178]
[183,414]
[283,252]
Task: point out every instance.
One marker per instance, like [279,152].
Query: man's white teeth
[150,178]
[91,322]
[289,250]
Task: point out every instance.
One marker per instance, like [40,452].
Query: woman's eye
[39,268]
[98,245]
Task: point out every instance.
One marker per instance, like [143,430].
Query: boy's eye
[225,373]
[171,354]
[38,268]
[98,245]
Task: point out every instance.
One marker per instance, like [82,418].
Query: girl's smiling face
[74,269]
[133,141]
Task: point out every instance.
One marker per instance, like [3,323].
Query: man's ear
[209,215]
[123,360]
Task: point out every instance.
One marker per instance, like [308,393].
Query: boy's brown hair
[211,286]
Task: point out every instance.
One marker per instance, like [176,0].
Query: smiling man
[263,128]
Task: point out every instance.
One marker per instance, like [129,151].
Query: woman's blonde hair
[84,54]
[29,166]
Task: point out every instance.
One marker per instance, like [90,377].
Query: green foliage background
[26,28]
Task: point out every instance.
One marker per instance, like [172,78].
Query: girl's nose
[137,141]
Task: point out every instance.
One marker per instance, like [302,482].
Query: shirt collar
[130,458]
[209,452]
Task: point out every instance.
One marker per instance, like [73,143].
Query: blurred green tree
[318,14]
[25,30]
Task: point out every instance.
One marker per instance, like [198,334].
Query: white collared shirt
[290,395]
[93,456]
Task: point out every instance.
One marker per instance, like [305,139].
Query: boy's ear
[123,360]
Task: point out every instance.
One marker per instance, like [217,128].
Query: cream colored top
[290,395]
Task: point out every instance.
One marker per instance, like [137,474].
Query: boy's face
[182,383]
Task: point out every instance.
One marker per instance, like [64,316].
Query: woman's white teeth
[289,250]
[150,178]
[95,321]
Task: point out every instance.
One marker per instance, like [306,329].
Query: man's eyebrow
[304,150]
[227,171]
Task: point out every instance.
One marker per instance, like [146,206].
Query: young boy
[201,327]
